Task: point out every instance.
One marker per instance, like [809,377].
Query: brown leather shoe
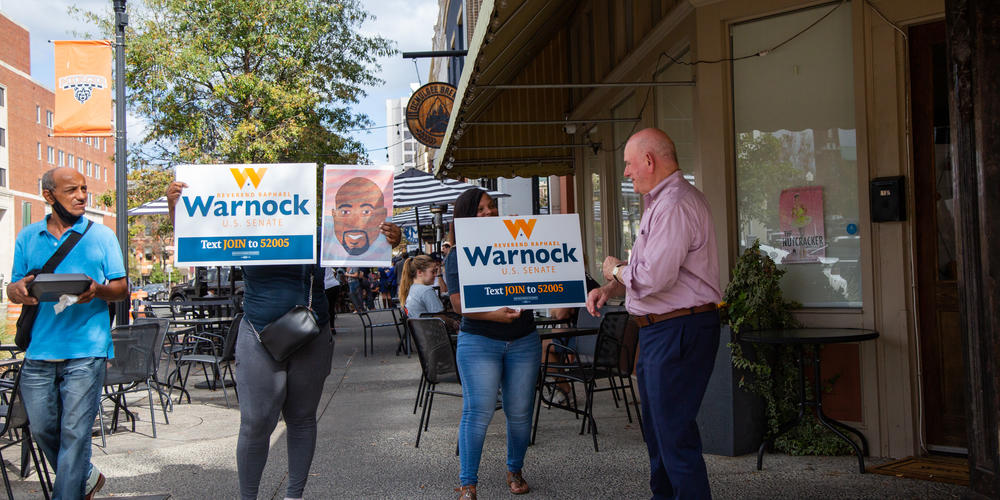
[468,492]
[96,487]
[516,483]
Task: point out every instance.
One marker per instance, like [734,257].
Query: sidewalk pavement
[365,449]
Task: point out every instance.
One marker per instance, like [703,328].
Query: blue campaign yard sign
[531,262]
[246,215]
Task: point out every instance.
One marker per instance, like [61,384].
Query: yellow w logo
[517,225]
[253,175]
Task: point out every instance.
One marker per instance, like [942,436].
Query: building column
[973,32]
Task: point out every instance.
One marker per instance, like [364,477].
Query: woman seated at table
[496,349]
[415,290]
[417,293]
[268,388]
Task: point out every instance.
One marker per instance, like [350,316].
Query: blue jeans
[486,365]
[676,358]
[61,399]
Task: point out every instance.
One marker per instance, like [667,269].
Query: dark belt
[648,319]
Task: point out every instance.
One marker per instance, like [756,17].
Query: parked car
[155,291]
[215,282]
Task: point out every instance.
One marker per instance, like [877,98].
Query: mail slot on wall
[888,199]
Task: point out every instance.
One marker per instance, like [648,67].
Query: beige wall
[890,390]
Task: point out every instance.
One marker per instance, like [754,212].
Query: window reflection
[629,204]
[594,228]
[796,153]
[675,112]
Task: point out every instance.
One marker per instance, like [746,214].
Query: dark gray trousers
[268,388]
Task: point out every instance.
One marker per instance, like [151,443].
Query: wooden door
[943,369]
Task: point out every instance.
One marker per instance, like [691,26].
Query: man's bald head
[359,210]
[60,175]
[359,188]
[650,157]
[66,190]
[657,143]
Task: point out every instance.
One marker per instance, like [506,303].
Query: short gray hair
[49,179]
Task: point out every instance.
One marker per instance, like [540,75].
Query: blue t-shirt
[81,330]
[271,291]
[422,299]
[492,329]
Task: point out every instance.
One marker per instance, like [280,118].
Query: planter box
[731,420]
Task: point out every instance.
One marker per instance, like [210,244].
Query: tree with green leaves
[145,184]
[762,168]
[249,81]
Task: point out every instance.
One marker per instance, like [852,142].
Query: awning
[507,132]
[155,207]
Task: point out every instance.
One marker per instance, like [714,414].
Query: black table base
[817,404]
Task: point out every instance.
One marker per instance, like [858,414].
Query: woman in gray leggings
[291,388]
[267,388]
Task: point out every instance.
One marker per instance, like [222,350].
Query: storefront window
[675,112]
[593,228]
[796,154]
[629,203]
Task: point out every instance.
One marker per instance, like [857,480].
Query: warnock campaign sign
[246,215]
[530,262]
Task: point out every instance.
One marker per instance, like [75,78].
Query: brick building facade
[27,150]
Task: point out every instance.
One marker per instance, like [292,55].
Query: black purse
[294,329]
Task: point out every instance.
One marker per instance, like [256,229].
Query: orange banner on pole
[83,88]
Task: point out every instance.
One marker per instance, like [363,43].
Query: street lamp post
[438,211]
[121,174]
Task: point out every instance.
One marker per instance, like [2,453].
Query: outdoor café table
[196,308]
[565,333]
[6,364]
[550,321]
[801,337]
[201,325]
[12,349]
[204,324]
[174,348]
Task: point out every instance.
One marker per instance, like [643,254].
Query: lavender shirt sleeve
[664,247]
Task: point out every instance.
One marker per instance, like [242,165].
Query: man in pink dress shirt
[671,287]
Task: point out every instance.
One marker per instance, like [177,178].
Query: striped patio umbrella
[415,188]
[409,217]
[155,207]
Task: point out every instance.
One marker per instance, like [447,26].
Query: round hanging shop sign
[427,113]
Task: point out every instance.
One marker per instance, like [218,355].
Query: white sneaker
[556,397]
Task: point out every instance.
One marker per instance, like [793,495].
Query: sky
[410,23]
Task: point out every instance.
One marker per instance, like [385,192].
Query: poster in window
[802,224]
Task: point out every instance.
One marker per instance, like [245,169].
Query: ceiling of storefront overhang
[496,132]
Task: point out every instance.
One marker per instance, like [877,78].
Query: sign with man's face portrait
[356,201]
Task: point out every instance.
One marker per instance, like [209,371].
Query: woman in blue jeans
[496,350]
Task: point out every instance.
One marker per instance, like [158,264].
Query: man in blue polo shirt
[64,367]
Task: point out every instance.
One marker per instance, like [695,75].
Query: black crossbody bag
[294,329]
[28,313]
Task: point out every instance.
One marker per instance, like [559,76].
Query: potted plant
[760,382]
[732,417]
